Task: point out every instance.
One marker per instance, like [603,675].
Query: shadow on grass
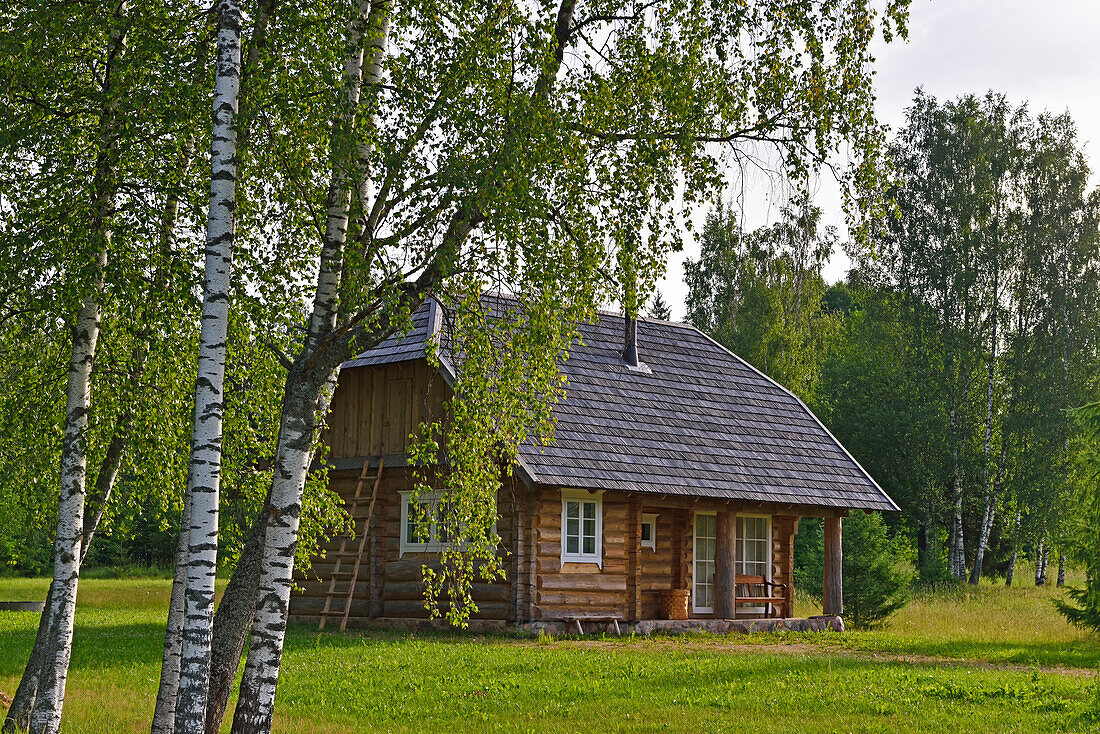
[1084,654]
[95,647]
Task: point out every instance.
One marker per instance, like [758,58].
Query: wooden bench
[748,587]
[612,620]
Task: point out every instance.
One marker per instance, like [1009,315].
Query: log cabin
[672,491]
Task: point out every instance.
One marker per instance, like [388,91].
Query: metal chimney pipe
[630,341]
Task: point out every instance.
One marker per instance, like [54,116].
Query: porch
[606,554]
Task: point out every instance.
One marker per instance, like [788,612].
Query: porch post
[833,592]
[725,566]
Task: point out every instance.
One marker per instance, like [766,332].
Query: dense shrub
[1083,607]
[878,568]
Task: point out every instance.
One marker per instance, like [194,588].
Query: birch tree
[204,473]
[43,687]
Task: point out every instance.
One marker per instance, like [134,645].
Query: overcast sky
[1044,53]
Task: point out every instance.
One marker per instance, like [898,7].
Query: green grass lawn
[984,660]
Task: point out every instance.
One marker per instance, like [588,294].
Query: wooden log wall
[389,584]
[538,586]
[563,591]
[784,528]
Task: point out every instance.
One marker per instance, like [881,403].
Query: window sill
[587,561]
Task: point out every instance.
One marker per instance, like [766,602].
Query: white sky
[1043,53]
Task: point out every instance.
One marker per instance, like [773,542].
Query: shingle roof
[700,422]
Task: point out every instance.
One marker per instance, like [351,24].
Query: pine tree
[659,309]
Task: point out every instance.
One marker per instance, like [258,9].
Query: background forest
[949,359]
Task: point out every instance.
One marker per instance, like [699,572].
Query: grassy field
[982,660]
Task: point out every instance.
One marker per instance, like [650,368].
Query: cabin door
[702,592]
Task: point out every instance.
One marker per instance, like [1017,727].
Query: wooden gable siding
[376,408]
[389,584]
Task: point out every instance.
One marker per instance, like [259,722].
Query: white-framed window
[649,531]
[418,536]
[582,527]
[754,545]
[706,532]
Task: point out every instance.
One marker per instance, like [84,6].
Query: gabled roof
[700,422]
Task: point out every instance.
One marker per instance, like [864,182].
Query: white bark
[256,703]
[956,554]
[46,714]
[1042,552]
[1015,550]
[164,714]
[206,441]
[49,698]
[990,489]
[307,394]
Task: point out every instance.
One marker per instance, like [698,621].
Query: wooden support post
[519,528]
[678,578]
[725,566]
[833,592]
[633,562]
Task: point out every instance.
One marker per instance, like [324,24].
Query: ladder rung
[346,555]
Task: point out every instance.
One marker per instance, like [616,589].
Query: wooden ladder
[352,575]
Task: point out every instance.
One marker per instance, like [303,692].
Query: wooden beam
[519,532]
[725,566]
[833,591]
[678,531]
[634,561]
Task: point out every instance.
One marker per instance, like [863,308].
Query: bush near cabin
[878,567]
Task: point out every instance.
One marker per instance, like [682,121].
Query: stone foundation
[683,626]
[565,627]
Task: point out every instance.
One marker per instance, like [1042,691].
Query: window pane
[572,535]
[589,545]
[647,531]
[589,528]
[590,511]
[572,509]
[410,523]
[424,532]
[705,542]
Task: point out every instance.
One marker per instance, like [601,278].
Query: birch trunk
[164,713]
[302,403]
[1041,563]
[46,713]
[49,687]
[1015,550]
[206,441]
[990,492]
[956,557]
[18,718]
[232,622]
[306,397]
